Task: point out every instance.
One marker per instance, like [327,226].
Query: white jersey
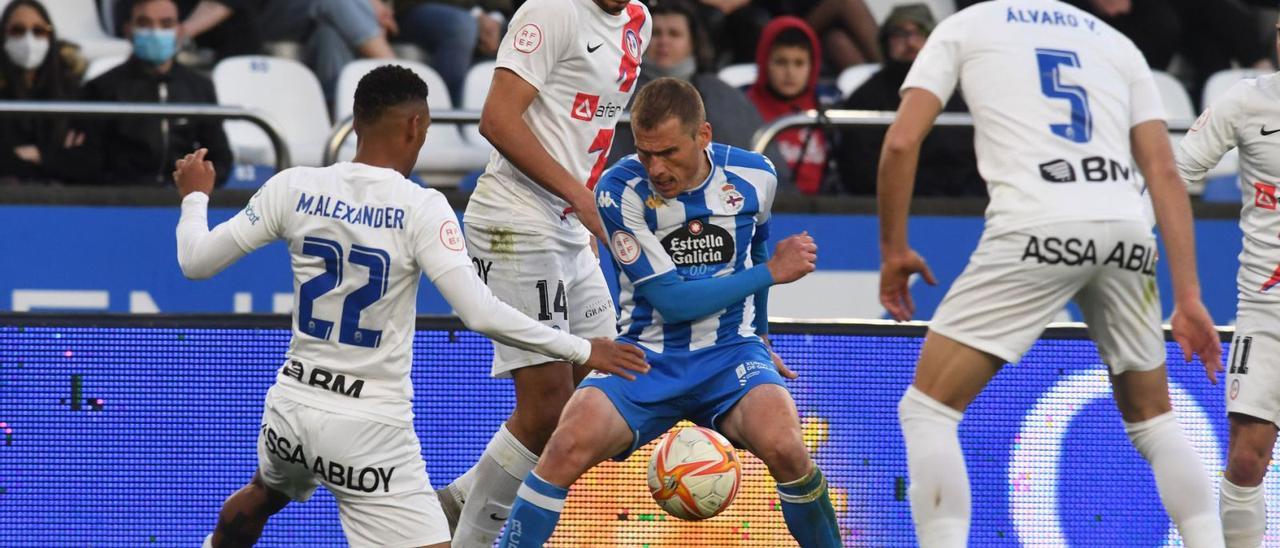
[584,63]
[360,237]
[1246,117]
[1054,92]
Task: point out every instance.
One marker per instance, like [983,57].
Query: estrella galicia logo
[1058,171]
[699,243]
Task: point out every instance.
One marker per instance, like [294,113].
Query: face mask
[27,51]
[155,46]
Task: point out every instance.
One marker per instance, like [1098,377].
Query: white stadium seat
[101,65]
[77,21]
[853,77]
[287,94]
[445,151]
[474,91]
[739,76]
[1177,102]
[1221,81]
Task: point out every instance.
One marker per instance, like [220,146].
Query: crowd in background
[798,46]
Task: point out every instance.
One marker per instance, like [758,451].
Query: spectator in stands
[228,27]
[38,66]
[679,49]
[453,31]
[143,151]
[332,32]
[947,163]
[847,28]
[788,60]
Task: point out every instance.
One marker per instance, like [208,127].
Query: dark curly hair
[386,87]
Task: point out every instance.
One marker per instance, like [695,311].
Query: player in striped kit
[688,222]
[564,73]
[1246,118]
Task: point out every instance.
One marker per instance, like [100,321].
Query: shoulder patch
[528,38]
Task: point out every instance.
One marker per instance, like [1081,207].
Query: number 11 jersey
[1054,92]
[584,63]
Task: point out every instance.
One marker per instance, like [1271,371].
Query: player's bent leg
[591,431]
[1242,504]
[948,377]
[245,513]
[759,423]
[541,393]
[1143,400]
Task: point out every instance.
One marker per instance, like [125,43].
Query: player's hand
[386,17]
[782,367]
[795,256]
[616,358]
[193,173]
[1193,329]
[895,277]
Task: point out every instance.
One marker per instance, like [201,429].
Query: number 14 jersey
[1054,92]
[584,63]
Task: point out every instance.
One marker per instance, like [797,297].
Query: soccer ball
[694,473]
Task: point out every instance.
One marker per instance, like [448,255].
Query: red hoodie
[806,172]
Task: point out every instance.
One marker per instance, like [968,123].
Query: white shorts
[374,470]
[547,279]
[1253,380]
[1017,282]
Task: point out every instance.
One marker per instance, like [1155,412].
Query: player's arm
[1209,138]
[208,14]
[1192,326]
[448,266]
[502,123]
[201,252]
[894,185]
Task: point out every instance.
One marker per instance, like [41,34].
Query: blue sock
[808,511]
[534,514]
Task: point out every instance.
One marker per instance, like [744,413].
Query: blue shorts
[700,385]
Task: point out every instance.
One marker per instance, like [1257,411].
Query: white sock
[1180,478]
[461,487]
[497,477]
[1244,514]
[939,489]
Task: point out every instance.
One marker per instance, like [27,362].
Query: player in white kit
[1061,103]
[1247,118]
[565,70]
[360,236]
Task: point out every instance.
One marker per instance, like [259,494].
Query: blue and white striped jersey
[708,231]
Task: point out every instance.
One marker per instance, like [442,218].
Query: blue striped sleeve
[634,246]
[680,300]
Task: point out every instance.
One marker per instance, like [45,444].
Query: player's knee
[570,452]
[265,500]
[786,457]
[1247,465]
[543,415]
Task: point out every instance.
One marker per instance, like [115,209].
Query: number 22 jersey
[1054,92]
[584,63]
[359,239]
